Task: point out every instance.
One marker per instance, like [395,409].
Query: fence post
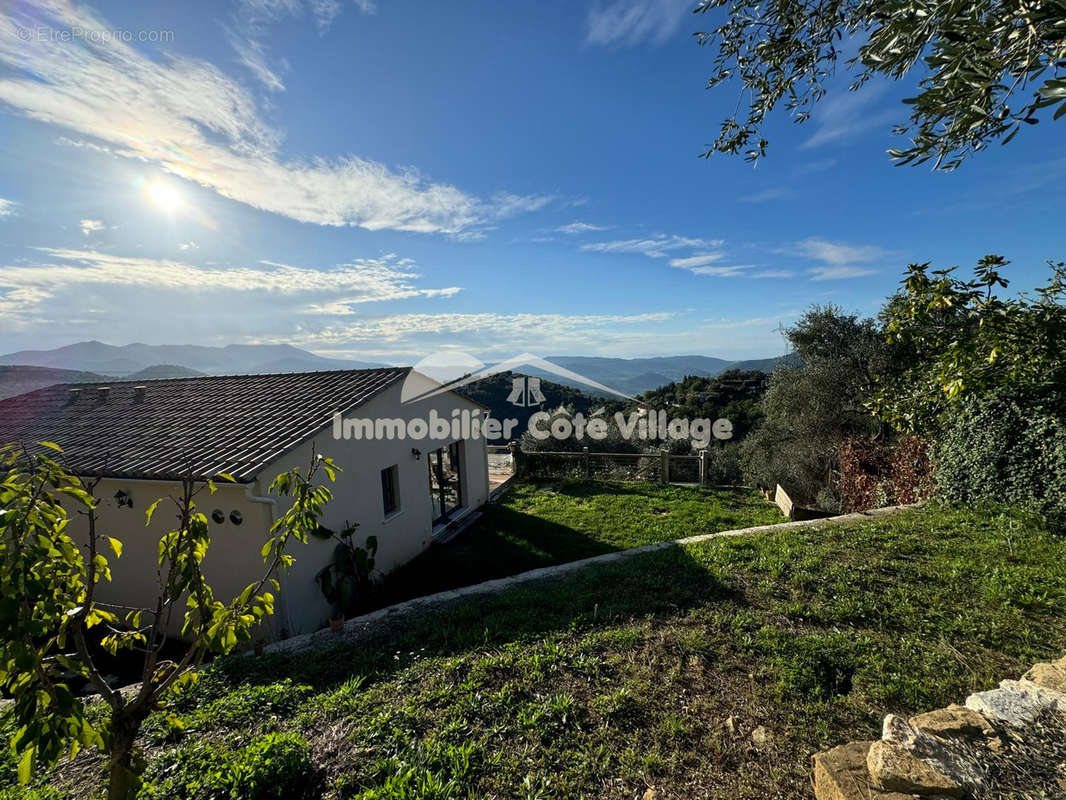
[588,465]
[703,467]
[664,468]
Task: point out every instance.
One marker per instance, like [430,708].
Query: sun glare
[163,195]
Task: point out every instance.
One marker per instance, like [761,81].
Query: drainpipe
[281,610]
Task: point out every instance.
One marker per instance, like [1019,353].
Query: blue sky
[382,179]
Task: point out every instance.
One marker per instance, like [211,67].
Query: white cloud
[195,122]
[773,193]
[699,260]
[658,246]
[630,22]
[91,226]
[838,253]
[273,291]
[847,115]
[838,273]
[189,245]
[7,208]
[839,260]
[253,18]
[580,227]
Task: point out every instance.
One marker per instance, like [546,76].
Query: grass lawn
[552,522]
[654,671]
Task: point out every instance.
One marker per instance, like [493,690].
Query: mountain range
[27,370]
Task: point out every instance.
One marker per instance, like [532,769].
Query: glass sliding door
[445,481]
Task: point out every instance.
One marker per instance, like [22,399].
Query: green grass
[540,524]
[627,675]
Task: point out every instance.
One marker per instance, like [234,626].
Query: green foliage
[999,446]
[622,674]
[958,339]
[734,395]
[45,601]
[348,579]
[811,410]
[276,766]
[987,68]
[48,607]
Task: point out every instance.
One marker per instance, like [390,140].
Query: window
[390,489]
[445,481]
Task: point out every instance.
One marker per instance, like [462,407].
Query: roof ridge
[113,379]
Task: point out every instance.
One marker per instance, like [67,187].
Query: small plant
[348,579]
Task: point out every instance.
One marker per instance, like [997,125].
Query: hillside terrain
[631,376]
[232,359]
[712,670]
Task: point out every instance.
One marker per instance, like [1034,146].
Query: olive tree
[51,621]
[986,67]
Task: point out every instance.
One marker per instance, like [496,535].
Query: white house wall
[232,562]
[358,498]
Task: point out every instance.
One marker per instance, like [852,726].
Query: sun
[163,195]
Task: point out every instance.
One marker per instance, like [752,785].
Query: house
[141,438]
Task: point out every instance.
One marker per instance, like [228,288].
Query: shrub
[874,474]
[999,447]
[272,767]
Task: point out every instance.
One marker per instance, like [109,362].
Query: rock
[1016,703]
[955,720]
[650,794]
[841,774]
[1048,676]
[760,736]
[893,767]
[955,760]
[730,726]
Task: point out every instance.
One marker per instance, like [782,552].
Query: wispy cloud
[772,193]
[658,246]
[91,226]
[7,208]
[630,22]
[252,19]
[709,264]
[269,293]
[849,114]
[580,227]
[839,260]
[188,117]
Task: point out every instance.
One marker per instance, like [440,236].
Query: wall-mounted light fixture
[416,453]
[123,499]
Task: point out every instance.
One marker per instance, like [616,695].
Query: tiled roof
[235,424]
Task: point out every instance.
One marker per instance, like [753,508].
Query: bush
[874,474]
[996,446]
[272,767]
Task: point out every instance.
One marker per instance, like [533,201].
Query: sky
[385,179]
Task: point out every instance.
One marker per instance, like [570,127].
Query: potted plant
[347,580]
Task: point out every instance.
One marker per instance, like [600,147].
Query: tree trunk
[123,780]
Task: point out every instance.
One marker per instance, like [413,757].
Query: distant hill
[767,364]
[106,359]
[19,380]
[162,371]
[634,376]
[495,390]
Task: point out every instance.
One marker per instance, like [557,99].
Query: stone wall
[1006,742]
